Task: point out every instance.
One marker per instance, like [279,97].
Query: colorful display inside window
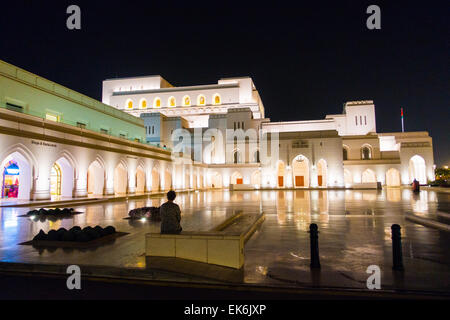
[10,187]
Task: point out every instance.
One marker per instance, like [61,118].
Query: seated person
[170,215]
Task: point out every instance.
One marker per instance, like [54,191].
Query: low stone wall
[213,247]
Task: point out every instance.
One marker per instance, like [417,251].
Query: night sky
[306,57]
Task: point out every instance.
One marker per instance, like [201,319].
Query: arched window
[143,104]
[201,100]
[344,153]
[216,99]
[186,101]
[366,153]
[256,157]
[172,102]
[157,103]
[236,157]
[129,104]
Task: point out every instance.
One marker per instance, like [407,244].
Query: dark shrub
[68,236]
[92,234]
[81,237]
[57,210]
[33,212]
[40,236]
[100,231]
[75,228]
[60,233]
[42,211]
[110,230]
[86,228]
[52,235]
[65,211]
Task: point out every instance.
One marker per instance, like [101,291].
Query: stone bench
[213,247]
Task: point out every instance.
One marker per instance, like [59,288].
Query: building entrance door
[280,181]
[319,178]
[299,181]
[239,181]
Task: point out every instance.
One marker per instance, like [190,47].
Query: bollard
[397,257]
[314,243]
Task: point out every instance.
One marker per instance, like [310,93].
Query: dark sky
[306,57]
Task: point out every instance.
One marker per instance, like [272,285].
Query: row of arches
[172,102]
[301,173]
[366,152]
[20,179]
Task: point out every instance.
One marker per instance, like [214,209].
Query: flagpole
[403,124]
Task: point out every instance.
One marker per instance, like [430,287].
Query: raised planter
[75,237]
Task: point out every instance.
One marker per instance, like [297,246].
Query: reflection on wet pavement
[354,233]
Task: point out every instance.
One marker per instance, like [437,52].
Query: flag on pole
[403,125]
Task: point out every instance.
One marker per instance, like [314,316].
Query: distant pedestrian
[170,215]
[416,186]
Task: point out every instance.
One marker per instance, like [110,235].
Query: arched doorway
[95,178]
[393,178]
[348,178]
[280,174]
[417,169]
[167,179]
[216,180]
[187,179]
[300,171]
[236,178]
[256,179]
[140,180]
[62,178]
[16,177]
[120,179]
[368,176]
[55,180]
[155,179]
[322,173]
[194,181]
[10,179]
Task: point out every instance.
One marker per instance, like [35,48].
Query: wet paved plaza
[354,231]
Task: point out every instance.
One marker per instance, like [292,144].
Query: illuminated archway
[129,104]
[280,174]
[393,178]
[256,179]
[201,100]
[172,102]
[167,179]
[217,99]
[143,103]
[120,179]
[95,178]
[366,152]
[18,179]
[140,180]
[300,171]
[348,179]
[368,176]
[157,103]
[236,178]
[155,179]
[10,180]
[322,173]
[417,169]
[186,101]
[55,180]
[216,180]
